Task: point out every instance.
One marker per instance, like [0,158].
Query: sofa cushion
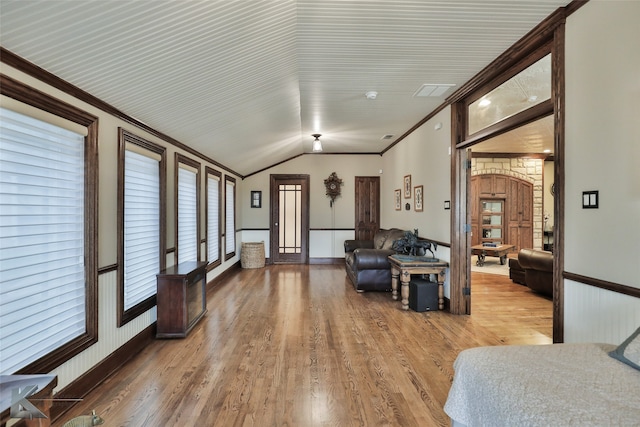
[384,238]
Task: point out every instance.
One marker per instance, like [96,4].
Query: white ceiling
[247,82]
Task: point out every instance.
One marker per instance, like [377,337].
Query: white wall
[424,155]
[327,240]
[602,153]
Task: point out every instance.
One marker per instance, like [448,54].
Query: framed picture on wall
[397,197]
[417,195]
[256,199]
[407,186]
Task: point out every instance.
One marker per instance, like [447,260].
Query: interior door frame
[274,181]
[548,37]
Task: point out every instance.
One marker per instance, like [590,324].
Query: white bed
[547,385]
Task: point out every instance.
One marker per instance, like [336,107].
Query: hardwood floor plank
[290,345]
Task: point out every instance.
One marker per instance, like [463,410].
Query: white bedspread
[547,385]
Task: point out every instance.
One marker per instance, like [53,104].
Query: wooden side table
[403,266]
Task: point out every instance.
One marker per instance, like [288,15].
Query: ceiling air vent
[387,136]
[432,89]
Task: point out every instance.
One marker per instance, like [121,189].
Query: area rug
[491,266]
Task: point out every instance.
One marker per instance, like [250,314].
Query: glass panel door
[492,221]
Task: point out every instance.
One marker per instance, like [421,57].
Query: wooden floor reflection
[297,346]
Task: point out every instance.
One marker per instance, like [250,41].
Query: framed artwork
[256,199]
[407,186]
[417,194]
[397,197]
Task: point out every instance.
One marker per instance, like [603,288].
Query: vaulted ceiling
[246,83]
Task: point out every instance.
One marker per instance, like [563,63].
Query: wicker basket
[252,255]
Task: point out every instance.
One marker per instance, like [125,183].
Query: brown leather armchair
[367,263]
[538,270]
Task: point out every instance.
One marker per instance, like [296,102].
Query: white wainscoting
[110,337]
[328,243]
[597,315]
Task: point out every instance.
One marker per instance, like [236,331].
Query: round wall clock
[333,185]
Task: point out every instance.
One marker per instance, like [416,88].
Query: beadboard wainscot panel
[110,337]
[328,243]
[256,236]
[593,314]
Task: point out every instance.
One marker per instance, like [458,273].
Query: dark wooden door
[520,214]
[289,230]
[367,212]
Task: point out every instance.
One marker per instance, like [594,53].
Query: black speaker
[423,295]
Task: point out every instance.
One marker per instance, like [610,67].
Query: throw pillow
[629,351]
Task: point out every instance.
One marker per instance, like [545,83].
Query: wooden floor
[297,346]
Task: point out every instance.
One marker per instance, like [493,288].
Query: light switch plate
[590,199]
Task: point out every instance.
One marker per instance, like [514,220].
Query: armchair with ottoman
[538,270]
[367,263]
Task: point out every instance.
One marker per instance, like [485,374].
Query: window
[141,215]
[230,217]
[188,209]
[524,96]
[213,216]
[48,200]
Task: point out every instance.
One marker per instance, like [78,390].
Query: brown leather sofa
[538,270]
[367,263]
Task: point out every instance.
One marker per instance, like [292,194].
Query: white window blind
[230,229]
[187,216]
[141,227]
[42,273]
[213,215]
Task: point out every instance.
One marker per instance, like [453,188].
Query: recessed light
[484,102]
[372,94]
[546,151]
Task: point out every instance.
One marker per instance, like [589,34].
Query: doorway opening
[521,93]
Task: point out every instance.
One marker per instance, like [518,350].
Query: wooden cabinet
[493,185]
[501,210]
[520,219]
[492,221]
[181,298]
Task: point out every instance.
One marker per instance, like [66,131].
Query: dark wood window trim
[40,100]
[125,137]
[227,179]
[181,159]
[210,171]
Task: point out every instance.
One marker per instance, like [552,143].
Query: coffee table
[403,266]
[499,251]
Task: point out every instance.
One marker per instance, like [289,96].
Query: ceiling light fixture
[484,102]
[317,145]
[372,94]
